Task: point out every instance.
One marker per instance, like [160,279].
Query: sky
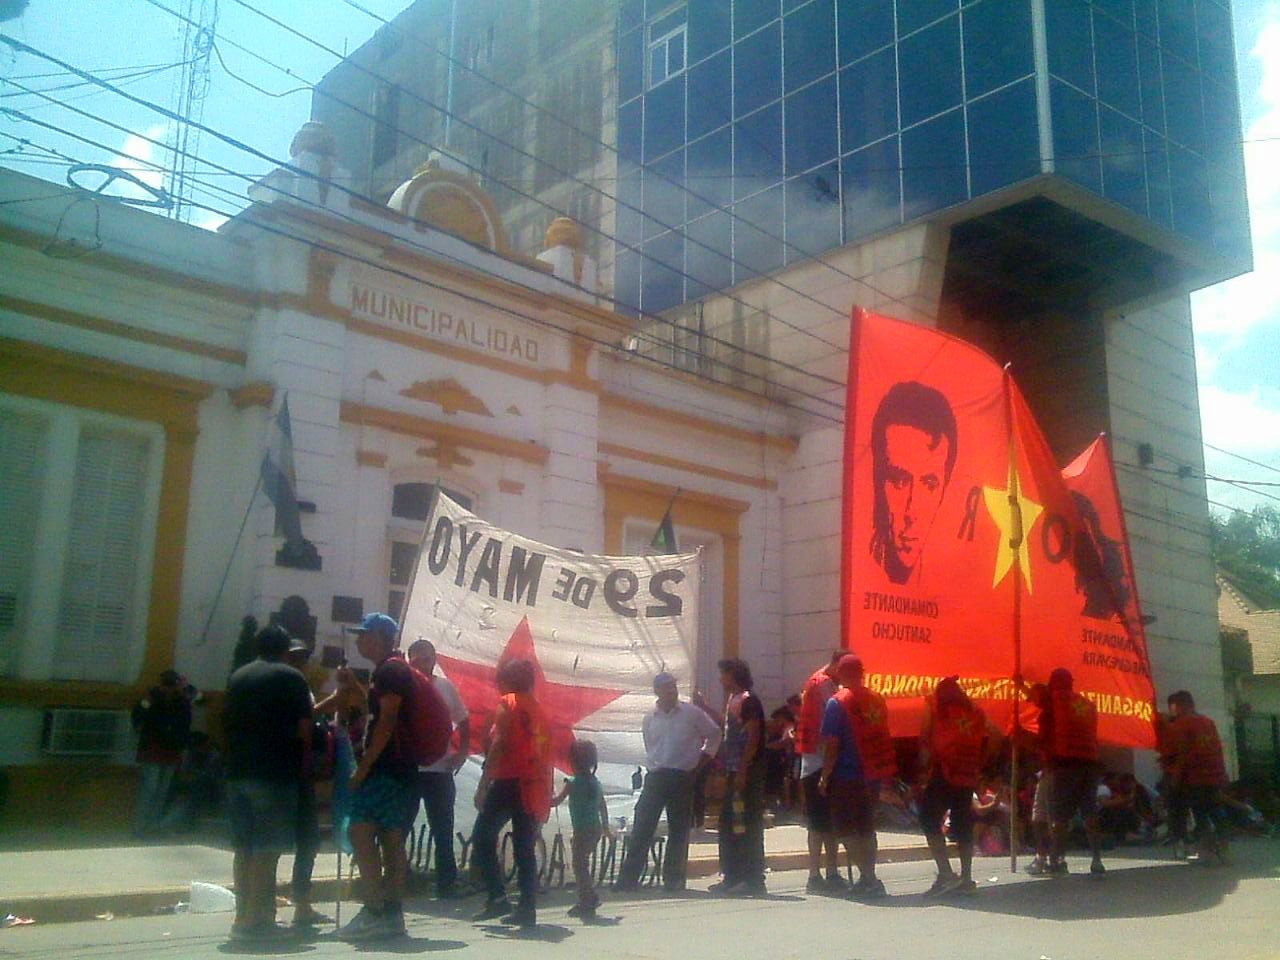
[1237,323]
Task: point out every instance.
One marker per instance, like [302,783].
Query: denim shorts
[389,803]
[263,815]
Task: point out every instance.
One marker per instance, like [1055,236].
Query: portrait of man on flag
[913,444]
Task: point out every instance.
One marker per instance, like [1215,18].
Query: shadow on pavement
[408,944]
[544,932]
[1148,891]
[265,949]
[598,921]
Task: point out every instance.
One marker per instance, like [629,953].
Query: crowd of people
[399,739]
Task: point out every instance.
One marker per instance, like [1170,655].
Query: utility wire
[572,177]
[249,218]
[232,141]
[1240,456]
[96,80]
[681,185]
[723,364]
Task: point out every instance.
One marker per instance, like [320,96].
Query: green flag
[664,538]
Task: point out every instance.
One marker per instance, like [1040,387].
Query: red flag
[957,526]
[1110,659]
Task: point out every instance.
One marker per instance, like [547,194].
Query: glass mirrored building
[758,133]
[1047,179]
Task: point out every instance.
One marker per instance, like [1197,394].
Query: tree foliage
[1246,546]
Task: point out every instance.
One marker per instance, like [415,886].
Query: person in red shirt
[955,742]
[515,786]
[858,754]
[1069,743]
[817,690]
[1197,771]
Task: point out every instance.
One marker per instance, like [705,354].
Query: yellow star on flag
[1015,515]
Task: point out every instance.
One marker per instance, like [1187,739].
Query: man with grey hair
[678,738]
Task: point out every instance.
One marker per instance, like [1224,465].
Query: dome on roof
[440,195]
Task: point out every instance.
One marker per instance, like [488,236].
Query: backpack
[425,729]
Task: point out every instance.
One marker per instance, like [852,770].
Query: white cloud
[1246,422]
[210,221]
[137,156]
[1231,310]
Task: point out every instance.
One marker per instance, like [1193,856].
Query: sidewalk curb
[75,908]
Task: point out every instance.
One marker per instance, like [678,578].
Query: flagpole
[422,545]
[226,572]
[1015,545]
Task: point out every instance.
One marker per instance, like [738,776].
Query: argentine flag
[278,479]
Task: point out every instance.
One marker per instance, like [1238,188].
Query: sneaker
[942,884]
[1179,850]
[493,909]
[523,917]
[1058,869]
[873,889]
[576,910]
[964,887]
[625,886]
[1096,868]
[1037,868]
[837,885]
[757,889]
[365,925]
[815,886]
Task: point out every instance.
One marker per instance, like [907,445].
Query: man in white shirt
[678,738]
[435,783]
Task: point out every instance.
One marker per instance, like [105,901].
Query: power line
[572,177]
[769,358]
[232,141]
[649,168]
[1241,456]
[317,245]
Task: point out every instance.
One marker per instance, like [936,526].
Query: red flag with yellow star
[958,529]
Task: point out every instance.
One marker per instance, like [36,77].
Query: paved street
[1143,908]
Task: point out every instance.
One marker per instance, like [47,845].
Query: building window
[78,503]
[386,123]
[21,444]
[668,46]
[410,507]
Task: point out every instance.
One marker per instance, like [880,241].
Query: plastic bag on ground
[210,898]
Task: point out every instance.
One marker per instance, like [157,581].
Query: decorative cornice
[410,425]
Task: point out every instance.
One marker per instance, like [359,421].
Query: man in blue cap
[678,738]
[384,797]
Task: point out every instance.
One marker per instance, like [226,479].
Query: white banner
[598,628]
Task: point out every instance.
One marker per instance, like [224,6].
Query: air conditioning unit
[84,733]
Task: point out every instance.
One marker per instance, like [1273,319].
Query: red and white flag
[598,629]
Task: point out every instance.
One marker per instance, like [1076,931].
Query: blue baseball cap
[378,623]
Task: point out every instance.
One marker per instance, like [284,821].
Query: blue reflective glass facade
[800,125]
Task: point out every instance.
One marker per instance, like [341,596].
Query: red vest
[527,756]
[814,695]
[870,719]
[958,735]
[1200,750]
[1075,726]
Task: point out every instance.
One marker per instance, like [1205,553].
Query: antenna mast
[183,140]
